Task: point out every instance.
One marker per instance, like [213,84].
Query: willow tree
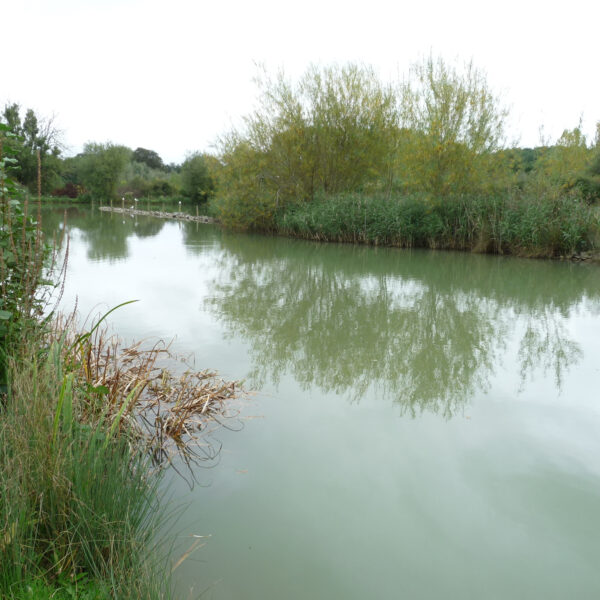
[563,163]
[243,200]
[453,126]
[352,126]
[332,131]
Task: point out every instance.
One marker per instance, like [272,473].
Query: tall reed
[550,225]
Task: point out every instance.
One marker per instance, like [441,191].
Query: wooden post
[196,211]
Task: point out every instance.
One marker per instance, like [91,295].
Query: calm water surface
[427,424]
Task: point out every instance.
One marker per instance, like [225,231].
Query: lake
[425,425]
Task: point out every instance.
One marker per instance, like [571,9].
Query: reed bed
[543,226]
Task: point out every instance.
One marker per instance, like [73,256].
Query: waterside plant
[546,226]
[85,426]
[340,156]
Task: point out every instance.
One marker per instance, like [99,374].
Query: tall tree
[34,135]
[453,123]
[12,118]
[332,131]
[100,166]
[148,157]
[196,180]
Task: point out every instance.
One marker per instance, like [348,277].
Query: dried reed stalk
[170,408]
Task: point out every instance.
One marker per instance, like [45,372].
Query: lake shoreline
[585,256]
[576,257]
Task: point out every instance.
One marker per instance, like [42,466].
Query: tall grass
[78,504]
[79,507]
[551,225]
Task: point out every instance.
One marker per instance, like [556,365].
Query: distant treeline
[338,155]
[103,171]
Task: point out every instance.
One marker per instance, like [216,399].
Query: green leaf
[99,389]
[5,315]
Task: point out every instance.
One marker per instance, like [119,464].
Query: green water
[427,425]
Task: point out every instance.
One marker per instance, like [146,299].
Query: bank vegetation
[339,156]
[86,427]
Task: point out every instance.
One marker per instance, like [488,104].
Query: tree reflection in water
[425,329]
[422,328]
[106,234]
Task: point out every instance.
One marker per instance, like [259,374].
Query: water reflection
[425,329]
[546,347]
[105,234]
[429,331]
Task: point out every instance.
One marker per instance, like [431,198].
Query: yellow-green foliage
[339,129]
[439,135]
[333,131]
[453,125]
[244,200]
[563,163]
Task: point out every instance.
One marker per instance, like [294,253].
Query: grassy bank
[544,226]
[86,426]
[79,506]
[78,502]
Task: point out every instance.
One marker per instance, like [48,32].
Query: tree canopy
[197,182]
[452,123]
[100,166]
[33,135]
[148,157]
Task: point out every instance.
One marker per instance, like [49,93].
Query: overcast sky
[171,75]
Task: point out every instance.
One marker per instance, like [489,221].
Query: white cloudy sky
[171,75]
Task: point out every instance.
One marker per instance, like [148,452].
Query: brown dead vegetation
[147,392]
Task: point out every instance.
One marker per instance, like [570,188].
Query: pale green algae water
[427,424]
